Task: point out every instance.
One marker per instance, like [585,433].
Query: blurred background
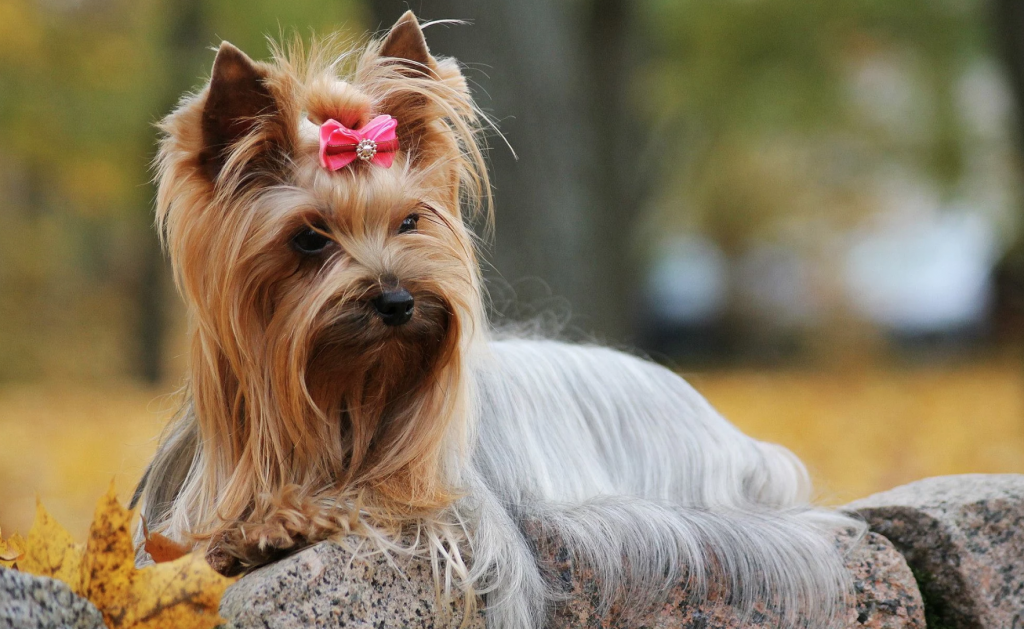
[812,210]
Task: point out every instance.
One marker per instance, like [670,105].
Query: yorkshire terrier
[344,380]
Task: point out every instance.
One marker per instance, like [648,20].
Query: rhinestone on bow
[366,149]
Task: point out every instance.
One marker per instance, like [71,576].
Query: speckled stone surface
[963,536]
[30,602]
[325,586]
[886,597]
[887,594]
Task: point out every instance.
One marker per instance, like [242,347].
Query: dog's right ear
[405,42]
[426,92]
[239,104]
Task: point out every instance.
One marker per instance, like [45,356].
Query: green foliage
[249,28]
[772,120]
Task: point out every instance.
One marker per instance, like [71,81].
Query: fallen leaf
[10,550]
[18,543]
[163,549]
[50,551]
[184,593]
[108,567]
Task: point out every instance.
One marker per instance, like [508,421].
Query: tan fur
[314,418]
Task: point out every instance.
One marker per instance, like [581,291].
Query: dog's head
[330,308]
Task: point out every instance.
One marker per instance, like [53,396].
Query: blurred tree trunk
[614,49]
[186,42]
[553,76]
[1009,29]
[1008,26]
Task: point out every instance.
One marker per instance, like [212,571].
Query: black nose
[394,306]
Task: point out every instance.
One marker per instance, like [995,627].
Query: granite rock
[324,586]
[31,602]
[963,536]
[886,597]
[328,586]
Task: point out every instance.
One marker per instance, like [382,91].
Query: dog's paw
[249,546]
[224,562]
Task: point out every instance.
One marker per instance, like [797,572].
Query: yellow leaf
[184,593]
[10,550]
[17,543]
[108,567]
[50,551]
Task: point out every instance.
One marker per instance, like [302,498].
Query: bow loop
[374,142]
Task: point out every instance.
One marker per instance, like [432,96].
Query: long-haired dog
[344,379]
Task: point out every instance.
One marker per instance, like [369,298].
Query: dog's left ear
[241,118]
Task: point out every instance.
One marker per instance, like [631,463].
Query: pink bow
[375,142]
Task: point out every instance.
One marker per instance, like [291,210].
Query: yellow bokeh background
[859,431]
[864,431]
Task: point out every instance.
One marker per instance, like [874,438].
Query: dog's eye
[409,223]
[310,241]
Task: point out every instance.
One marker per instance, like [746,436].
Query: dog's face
[330,307]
